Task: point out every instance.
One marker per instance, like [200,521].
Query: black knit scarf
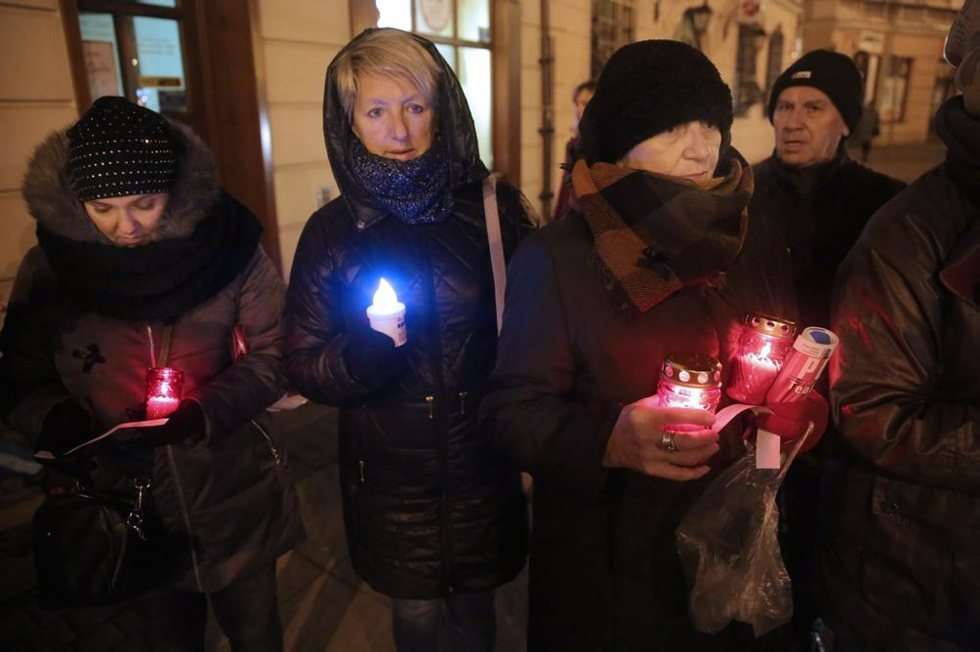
[812,178]
[960,132]
[161,280]
[415,191]
[655,234]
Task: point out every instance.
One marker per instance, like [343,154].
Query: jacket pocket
[401,426]
[907,566]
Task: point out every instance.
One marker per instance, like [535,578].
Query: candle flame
[766,350]
[385,298]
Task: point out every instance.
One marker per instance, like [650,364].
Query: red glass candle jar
[164,386]
[762,347]
[690,380]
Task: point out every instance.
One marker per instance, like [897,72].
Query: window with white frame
[612,28]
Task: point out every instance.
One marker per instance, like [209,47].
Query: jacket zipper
[438,416]
[186,516]
[276,457]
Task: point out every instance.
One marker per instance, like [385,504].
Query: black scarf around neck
[415,191]
[807,180]
[161,280]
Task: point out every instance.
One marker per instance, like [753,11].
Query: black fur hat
[646,88]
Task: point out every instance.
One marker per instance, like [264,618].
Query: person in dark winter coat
[596,302]
[811,201]
[810,204]
[901,569]
[435,517]
[137,239]
[580,99]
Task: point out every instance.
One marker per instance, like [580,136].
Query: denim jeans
[462,622]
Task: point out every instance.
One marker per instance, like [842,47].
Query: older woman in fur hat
[140,253]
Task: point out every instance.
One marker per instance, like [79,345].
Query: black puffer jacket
[807,220]
[429,507]
[231,497]
[902,569]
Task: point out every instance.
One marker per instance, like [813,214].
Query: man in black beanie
[811,200]
[811,203]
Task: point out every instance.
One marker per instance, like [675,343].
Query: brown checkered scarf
[656,234]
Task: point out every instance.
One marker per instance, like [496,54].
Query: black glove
[372,357]
[186,424]
[66,425]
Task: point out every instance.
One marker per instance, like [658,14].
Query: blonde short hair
[389,53]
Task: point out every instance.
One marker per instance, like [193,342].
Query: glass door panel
[100,48]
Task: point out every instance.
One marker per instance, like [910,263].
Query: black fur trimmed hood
[51,201]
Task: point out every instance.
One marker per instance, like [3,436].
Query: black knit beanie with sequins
[117,149]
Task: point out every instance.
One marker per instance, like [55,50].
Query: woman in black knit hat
[631,277]
[143,261]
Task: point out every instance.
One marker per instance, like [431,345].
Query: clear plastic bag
[730,552]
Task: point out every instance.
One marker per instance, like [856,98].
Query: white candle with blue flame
[387,314]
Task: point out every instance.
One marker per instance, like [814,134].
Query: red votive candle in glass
[163,389]
[762,348]
[690,380]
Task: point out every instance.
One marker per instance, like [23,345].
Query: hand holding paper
[187,423]
[791,420]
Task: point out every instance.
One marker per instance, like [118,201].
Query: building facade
[248,76]
[898,46]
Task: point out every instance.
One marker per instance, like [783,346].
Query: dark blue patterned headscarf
[415,191]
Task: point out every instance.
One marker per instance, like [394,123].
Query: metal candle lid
[772,326]
[692,369]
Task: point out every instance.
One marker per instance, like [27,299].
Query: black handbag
[98,548]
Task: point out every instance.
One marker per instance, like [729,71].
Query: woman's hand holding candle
[373,355]
[644,441]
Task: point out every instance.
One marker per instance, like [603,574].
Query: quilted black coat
[429,507]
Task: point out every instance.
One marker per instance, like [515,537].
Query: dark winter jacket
[229,496]
[903,564]
[605,573]
[429,507]
[808,220]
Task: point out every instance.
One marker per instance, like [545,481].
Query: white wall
[571,25]
[299,37]
[36,97]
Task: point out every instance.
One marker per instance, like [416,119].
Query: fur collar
[52,203]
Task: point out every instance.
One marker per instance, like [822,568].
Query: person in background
[632,274]
[811,201]
[135,238]
[867,130]
[435,517]
[901,566]
[580,99]
[810,204]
